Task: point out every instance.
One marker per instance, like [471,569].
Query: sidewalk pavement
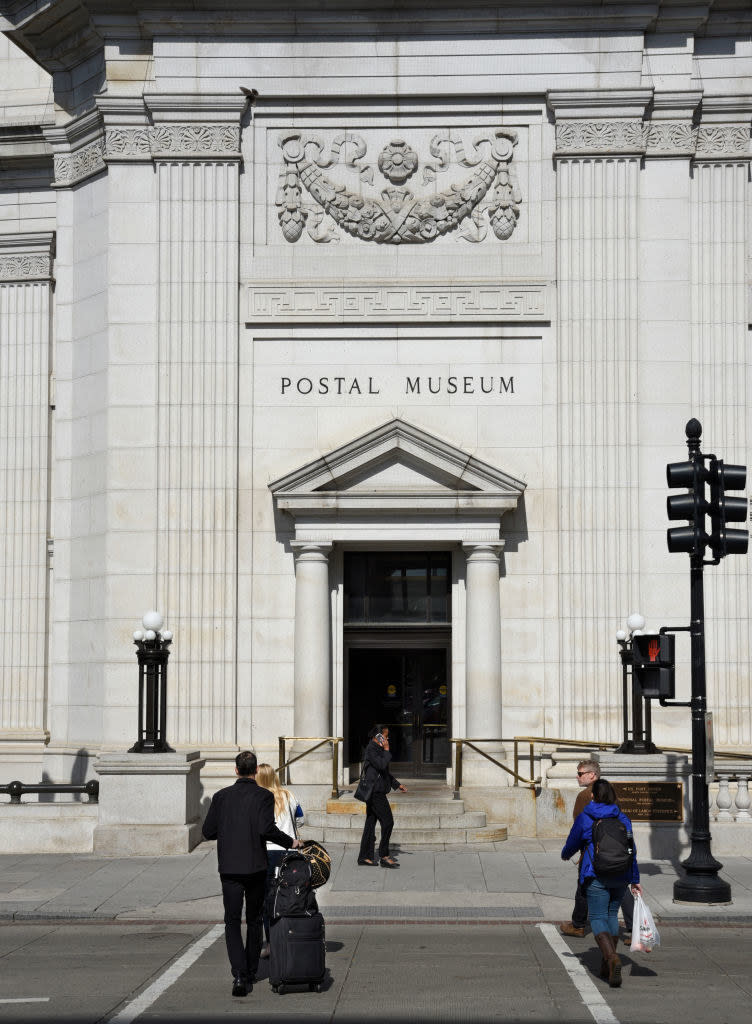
[520,879]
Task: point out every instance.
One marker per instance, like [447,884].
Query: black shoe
[388,863]
[241,986]
[364,862]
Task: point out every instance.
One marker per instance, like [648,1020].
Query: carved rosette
[601,137]
[25,266]
[397,215]
[671,138]
[198,141]
[71,168]
[723,141]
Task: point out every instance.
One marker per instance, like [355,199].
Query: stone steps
[426,816]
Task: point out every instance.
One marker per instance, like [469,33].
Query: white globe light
[152,620]
[138,635]
[149,634]
[167,635]
[635,621]
[621,634]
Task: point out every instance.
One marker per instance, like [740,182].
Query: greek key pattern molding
[405,304]
[22,266]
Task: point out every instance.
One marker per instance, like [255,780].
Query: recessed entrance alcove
[397,538]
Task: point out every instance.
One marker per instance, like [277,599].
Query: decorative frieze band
[26,257]
[70,168]
[670,138]
[719,141]
[158,142]
[387,303]
[616,136]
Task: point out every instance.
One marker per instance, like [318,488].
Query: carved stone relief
[671,138]
[25,267]
[723,140]
[308,199]
[73,167]
[622,135]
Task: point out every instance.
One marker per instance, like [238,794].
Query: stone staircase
[427,815]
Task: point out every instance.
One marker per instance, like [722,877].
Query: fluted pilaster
[25,278]
[722,394]
[312,641]
[197,418]
[597,192]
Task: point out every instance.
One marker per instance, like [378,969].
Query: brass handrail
[284,765]
[531,782]
[597,745]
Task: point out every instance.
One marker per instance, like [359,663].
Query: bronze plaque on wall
[651,801]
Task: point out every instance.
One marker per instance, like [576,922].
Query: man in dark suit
[241,819]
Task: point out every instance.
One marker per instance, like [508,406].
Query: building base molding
[149,804]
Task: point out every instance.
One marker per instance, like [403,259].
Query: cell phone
[380,739]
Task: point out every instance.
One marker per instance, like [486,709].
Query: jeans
[273,860]
[377,808]
[603,905]
[580,910]
[235,888]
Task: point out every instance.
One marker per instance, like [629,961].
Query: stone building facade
[356,338]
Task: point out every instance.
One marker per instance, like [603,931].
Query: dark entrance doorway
[408,690]
[397,631]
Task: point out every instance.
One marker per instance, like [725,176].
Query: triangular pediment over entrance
[397,469]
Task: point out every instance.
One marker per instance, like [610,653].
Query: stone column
[600,142]
[721,244]
[312,641]
[482,657]
[25,284]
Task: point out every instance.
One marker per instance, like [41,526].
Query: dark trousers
[244,958]
[273,860]
[377,809]
[580,912]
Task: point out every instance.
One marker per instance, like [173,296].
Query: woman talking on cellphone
[376,770]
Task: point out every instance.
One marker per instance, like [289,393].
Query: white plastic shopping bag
[645,935]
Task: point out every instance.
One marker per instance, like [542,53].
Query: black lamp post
[153,644]
[638,739]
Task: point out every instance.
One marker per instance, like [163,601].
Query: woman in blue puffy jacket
[603,891]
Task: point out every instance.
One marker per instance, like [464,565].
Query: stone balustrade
[729,796]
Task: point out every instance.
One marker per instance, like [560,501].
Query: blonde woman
[288,814]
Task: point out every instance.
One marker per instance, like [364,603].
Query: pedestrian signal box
[653,664]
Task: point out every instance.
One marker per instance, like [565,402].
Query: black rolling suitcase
[297,952]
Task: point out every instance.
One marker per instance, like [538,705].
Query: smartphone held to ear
[380,739]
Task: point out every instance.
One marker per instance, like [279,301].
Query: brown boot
[611,964]
[567,928]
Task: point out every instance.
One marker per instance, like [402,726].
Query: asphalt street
[171,972]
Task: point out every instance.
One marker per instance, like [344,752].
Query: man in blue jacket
[241,819]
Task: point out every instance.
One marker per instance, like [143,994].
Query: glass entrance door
[407,689]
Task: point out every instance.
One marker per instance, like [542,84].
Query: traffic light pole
[702,883]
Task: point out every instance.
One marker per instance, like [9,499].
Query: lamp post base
[702,884]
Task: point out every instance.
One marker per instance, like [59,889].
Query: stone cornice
[27,257]
[23,149]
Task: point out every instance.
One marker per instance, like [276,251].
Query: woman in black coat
[376,767]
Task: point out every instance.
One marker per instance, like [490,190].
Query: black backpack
[613,848]
[291,892]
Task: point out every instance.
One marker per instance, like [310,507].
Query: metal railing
[472,744]
[319,741]
[556,741]
[17,789]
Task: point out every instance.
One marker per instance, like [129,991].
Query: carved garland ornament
[397,215]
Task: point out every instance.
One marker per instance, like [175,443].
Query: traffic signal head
[653,664]
[691,506]
[724,509]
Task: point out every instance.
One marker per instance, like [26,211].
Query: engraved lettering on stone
[25,267]
[723,140]
[671,137]
[127,142]
[600,136]
[397,215]
[73,167]
[195,139]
